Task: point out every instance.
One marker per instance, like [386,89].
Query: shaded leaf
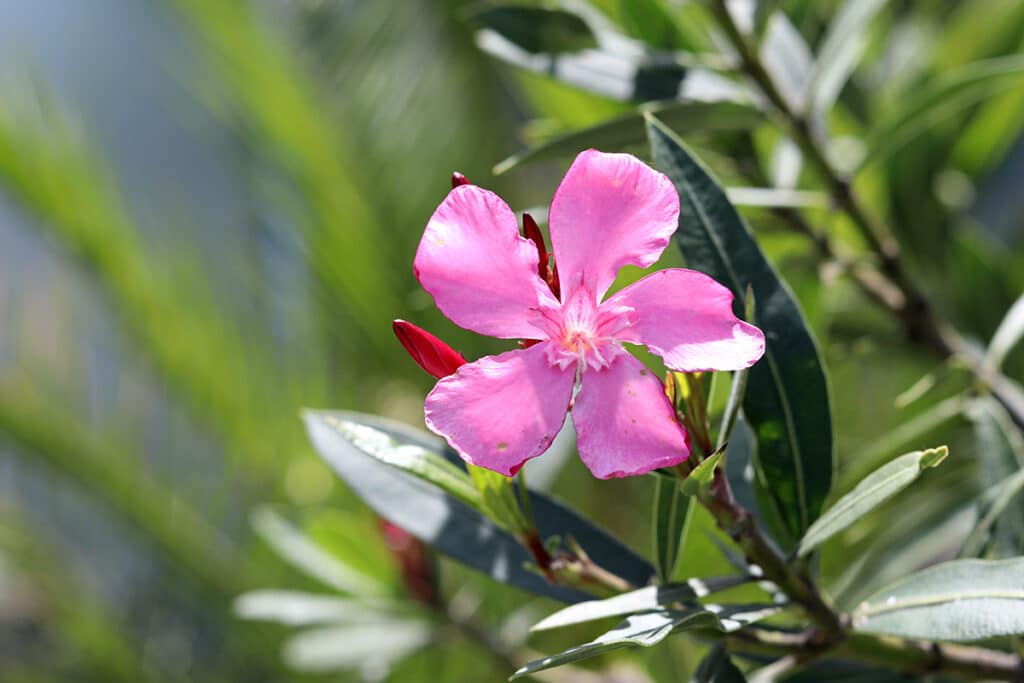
[536,29]
[450,525]
[787,401]
[958,600]
[669,523]
[939,99]
[648,599]
[716,667]
[874,489]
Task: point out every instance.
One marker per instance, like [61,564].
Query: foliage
[849,170]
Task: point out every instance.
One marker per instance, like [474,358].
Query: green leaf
[702,476]
[629,129]
[939,99]
[787,400]
[841,48]
[669,525]
[874,489]
[1007,335]
[651,21]
[786,58]
[650,628]
[999,531]
[959,600]
[448,523]
[716,667]
[305,555]
[536,29]
[648,599]
[498,498]
[418,461]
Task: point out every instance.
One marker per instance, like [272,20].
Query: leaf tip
[933,457]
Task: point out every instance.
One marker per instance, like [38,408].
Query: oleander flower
[610,210]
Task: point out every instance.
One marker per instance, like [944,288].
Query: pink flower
[611,210]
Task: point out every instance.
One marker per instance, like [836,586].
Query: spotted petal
[481,273]
[686,318]
[610,210]
[501,410]
[624,421]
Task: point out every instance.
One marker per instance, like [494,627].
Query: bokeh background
[208,212]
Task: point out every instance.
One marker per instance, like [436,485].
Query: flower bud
[430,353]
[459,179]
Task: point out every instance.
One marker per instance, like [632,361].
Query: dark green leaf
[959,600]
[536,29]
[874,489]
[787,400]
[671,515]
[649,599]
[450,525]
[716,667]
[650,628]
[629,129]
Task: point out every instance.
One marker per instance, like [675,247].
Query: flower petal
[686,318]
[481,273]
[501,410]
[610,210]
[626,425]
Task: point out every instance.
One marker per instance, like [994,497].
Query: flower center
[583,334]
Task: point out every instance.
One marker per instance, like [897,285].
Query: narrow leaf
[960,600]
[305,555]
[939,99]
[841,48]
[874,489]
[716,667]
[629,129]
[650,628]
[671,513]
[649,599]
[787,400]
[296,608]
[702,476]
[1007,335]
[337,648]
[787,59]
[536,29]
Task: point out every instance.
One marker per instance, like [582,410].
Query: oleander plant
[707,363]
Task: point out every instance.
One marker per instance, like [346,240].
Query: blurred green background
[208,213]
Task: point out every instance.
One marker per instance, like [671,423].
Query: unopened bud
[430,353]
[459,179]
[544,268]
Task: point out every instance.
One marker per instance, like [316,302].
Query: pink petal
[501,410]
[686,318]
[481,273]
[625,423]
[610,210]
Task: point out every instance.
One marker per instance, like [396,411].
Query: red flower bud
[459,179]
[430,353]
[547,272]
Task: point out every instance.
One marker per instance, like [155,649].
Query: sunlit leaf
[873,490]
[787,400]
[959,600]
[786,58]
[650,628]
[1007,335]
[338,648]
[841,48]
[648,599]
[296,608]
